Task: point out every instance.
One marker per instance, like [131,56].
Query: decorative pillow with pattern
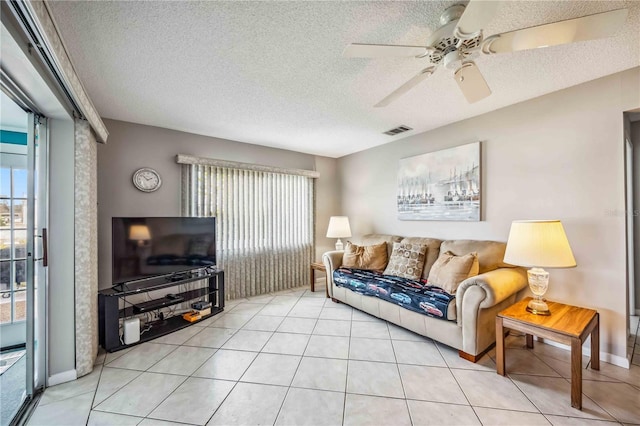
[450,270]
[365,257]
[407,260]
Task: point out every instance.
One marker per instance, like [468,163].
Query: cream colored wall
[131,146]
[327,203]
[559,156]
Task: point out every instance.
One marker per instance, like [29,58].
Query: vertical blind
[264,225]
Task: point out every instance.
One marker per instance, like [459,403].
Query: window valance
[190,159]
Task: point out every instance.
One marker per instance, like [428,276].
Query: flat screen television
[143,247]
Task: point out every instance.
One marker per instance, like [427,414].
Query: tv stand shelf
[111,314]
[151,305]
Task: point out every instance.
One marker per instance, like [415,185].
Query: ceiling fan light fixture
[452,60]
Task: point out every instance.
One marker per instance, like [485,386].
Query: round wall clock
[146,179]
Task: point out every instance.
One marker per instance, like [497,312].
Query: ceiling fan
[460,38]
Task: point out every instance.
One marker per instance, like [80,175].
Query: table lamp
[139,233]
[339,228]
[538,244]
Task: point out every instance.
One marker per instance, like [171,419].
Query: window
[13,238]
[265,224]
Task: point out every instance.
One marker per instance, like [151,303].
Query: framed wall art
[441,185]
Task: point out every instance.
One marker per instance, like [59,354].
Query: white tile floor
[296,358]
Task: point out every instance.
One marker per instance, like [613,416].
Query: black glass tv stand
[119,303]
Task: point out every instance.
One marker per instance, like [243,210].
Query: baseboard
[638,312]
[64,377]
[586,351]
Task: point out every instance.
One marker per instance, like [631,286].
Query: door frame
[629,223]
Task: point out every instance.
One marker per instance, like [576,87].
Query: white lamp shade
[339,227]
[139,233]
[539,243]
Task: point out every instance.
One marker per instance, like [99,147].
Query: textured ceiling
[271,73]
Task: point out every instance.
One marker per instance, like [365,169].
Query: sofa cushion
[409,294]
[407,260]
[365,257]
[371,239]
[450,270]
[433,250]
[490,253]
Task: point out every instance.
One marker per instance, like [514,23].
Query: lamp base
[538,283]
[537,306]
[339,245]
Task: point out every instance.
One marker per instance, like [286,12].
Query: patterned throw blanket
[413,295]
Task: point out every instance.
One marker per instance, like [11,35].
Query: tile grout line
[569,380]
[95,391]
[346,376]
[165,398]
[310,335]
[562,378]
[393,349]
[236,384]
[294,375]
[475,413]
[185,377]
[116,390]
[586,367]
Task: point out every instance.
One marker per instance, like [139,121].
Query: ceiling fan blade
[359,50]
[476,16]
[471,82]
[588,27]
[406,87]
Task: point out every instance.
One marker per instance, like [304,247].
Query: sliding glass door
[23,218]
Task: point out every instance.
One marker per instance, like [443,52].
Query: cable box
[200,306]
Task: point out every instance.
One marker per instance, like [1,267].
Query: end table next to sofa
[318,266]
[567,324]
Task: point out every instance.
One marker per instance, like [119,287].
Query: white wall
[559,156]
[131,146]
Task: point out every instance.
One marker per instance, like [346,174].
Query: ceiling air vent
[397,130]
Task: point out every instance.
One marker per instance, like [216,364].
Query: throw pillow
[407,260]
[365,257]
[450,270]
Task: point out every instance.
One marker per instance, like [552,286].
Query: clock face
[147,180]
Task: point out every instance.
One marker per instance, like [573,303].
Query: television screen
[151,246]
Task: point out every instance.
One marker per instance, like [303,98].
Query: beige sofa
[478,299]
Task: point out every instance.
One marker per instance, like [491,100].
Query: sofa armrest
[494,287]
[332,260]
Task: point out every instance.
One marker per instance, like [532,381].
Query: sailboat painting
[441,185]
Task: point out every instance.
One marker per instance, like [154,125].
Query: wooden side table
[567,324]
[317,266]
